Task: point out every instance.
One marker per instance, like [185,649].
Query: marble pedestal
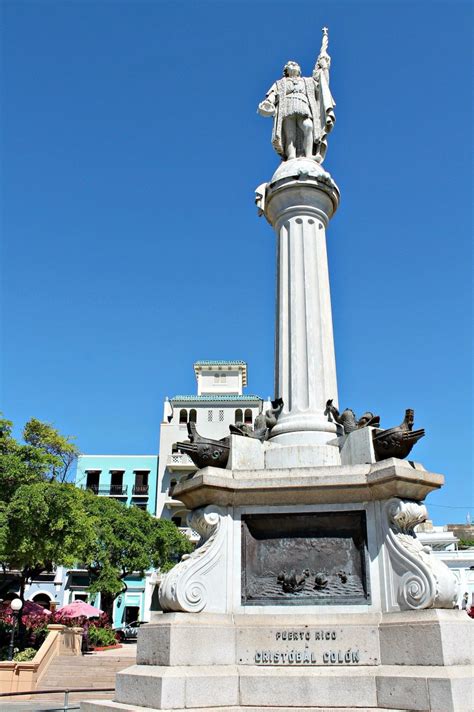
[399,647]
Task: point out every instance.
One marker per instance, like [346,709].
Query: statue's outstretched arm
[323,62]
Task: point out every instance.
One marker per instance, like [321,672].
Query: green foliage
[46,523]
[127,540]
[101,637]
[25,655]
[19,464]
[45,455]
[58,450]
[466,544]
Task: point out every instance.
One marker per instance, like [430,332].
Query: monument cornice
[308,485]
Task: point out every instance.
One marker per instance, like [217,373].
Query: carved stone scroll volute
[417,579]
[196,583]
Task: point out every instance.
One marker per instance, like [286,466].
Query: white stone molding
[198,582]
[418,580]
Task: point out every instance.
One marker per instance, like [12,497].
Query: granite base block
[176,687]
[431,637]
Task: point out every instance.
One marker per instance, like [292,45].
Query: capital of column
[300,187]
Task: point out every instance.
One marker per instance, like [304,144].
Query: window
[116,481]
[216,378]
[239,416]
[173,481]
[223,379]
[248,417]
[141,505]
[221,416]
[177,521]
[209,416]
[192,415]
[183,416]
[93,477]
[141,482]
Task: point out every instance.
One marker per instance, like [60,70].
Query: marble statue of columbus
[302,109]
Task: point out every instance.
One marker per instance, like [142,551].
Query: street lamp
[16,606]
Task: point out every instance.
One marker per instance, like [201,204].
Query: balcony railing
[111,491]
[180,461]
[140,490]
[192,535]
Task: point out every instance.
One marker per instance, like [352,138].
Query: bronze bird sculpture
[204,452]
[348,418]
[398,441]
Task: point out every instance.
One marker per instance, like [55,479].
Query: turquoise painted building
[131,480]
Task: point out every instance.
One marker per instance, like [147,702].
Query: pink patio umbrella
[32,608]
[29,608]
[78,608]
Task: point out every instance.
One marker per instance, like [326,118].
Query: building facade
[219,401]
[144,480]
[131,480]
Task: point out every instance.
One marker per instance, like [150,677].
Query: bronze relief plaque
[316,558]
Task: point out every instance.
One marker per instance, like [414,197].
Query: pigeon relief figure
[292,583]
[320,580]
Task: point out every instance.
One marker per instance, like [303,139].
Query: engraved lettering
[332,656]
[355,656]
[306,658]
[258,657]
[317,635]
[347,656]
[278,635]
[307,635]
[299,657]
[276,657]
[325,657]
[333,635]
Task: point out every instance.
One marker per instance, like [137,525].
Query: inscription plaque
[305,558]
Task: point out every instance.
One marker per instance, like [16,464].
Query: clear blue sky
[131,245]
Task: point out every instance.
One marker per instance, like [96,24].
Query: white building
[444,545]
[219,401]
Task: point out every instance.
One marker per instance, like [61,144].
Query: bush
[101,637]
[25,655]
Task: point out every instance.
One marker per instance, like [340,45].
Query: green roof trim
[220,363]
[216,398]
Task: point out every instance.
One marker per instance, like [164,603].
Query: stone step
[440,688]
[91,671]
[110,706]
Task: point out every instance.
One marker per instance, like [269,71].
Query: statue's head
[292,69]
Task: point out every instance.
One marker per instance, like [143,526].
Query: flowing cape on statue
[321,106]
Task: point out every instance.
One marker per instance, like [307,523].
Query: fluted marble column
[299,202]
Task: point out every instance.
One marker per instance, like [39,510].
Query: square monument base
[398,661]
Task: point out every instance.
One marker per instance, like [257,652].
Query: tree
[127,540]
[44,524]
[59,450]
[19,464]
[45,455]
